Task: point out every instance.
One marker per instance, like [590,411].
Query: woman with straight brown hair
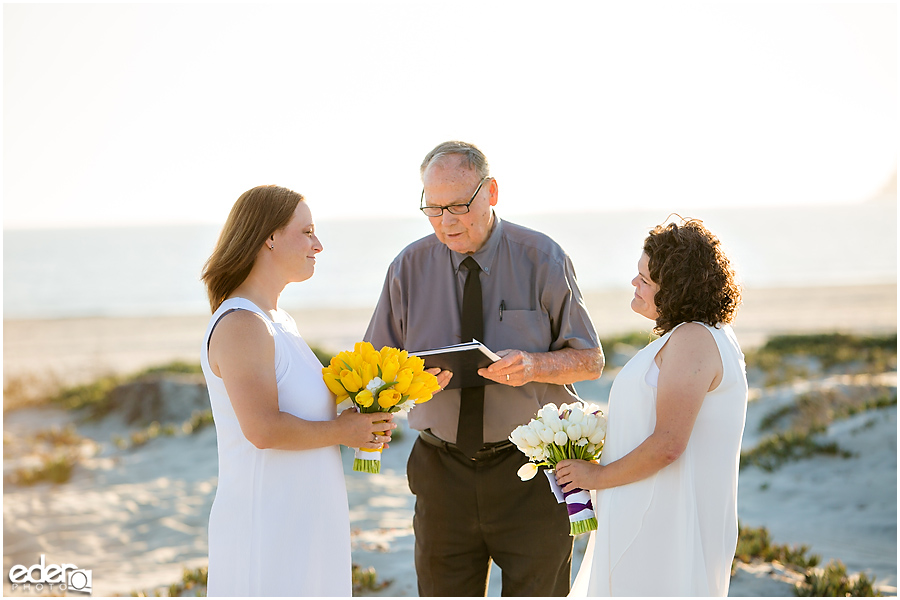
[279,525]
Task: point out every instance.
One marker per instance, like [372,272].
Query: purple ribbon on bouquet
[575,507]
[578,505]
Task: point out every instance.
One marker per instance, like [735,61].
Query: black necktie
[470,431]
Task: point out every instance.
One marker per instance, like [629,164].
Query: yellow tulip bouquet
[389,380]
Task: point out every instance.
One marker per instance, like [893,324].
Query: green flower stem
[366,466]
[579,527]
[383,387]
[570,450]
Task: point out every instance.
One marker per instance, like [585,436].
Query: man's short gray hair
[471,156]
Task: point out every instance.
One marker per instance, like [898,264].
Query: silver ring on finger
[507,377]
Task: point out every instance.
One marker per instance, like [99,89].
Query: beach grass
[96,397]
[56,451]
[59,436]
[633,339]
[192,580]
[821,407]
[755,543]
[833,581]
[794,434]
[364,580]
[198,421]
[786,358]
[796,425]
[808,416]
[29,389]
[54,468]
[784,446]
[619,348]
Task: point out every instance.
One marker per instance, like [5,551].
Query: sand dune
[137,517]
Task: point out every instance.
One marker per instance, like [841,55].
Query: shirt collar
[485,255]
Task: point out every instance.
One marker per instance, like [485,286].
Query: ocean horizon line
[156,269]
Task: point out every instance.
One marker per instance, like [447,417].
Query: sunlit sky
[143,114]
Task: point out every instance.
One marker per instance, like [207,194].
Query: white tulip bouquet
[574,430]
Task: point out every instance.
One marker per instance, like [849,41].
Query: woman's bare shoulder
[690,336]
[692,331]
[241,326]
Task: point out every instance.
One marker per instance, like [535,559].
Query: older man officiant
[515,290]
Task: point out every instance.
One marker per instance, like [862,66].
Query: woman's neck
[265,297]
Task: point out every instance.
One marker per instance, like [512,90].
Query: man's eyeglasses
[453,209]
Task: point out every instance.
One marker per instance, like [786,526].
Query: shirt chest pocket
[527,330]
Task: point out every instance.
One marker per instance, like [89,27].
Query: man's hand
[561,367]
[443,377]
[514,368]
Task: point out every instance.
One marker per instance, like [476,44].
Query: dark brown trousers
[471,512]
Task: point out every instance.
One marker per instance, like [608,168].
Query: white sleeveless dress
[675,532]
[280,523]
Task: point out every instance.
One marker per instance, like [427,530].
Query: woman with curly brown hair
[667,479]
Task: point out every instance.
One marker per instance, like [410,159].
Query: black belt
[487,451]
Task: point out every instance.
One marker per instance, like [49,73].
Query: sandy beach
[137,516]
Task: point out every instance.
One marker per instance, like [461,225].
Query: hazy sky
[166,113]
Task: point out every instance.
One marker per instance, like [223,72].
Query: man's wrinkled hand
[514,368]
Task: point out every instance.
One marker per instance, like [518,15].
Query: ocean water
[151,271]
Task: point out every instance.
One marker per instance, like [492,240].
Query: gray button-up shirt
[522,270]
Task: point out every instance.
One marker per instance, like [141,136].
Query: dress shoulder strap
[229,306]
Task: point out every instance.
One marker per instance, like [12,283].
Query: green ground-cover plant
[756,543]
[175,366]
[59,436]
[90,396]
[54,467]
[59,450]
[809,415]
[198,421]
[635,339]
[620,348]
[192,580]
[366,580]
[785,358]
[822,407]
[834,581]
[29,389]
[95,397]
[779,448]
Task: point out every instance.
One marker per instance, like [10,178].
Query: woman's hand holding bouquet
[575,430]
[373,381]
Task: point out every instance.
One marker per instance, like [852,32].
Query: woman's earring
[272,247]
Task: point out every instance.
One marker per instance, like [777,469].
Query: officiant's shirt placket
[543,311]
